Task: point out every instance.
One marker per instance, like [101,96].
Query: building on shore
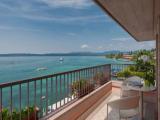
[128,57]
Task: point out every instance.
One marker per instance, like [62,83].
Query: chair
[125,91]
[128,107]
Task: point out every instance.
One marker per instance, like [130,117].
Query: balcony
[94,105]
[78,94]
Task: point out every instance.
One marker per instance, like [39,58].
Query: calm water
[19,68]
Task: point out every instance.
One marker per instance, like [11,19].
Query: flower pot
[148,83]
[85,90]
[33,115]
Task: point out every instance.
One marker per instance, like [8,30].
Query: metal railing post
[44,95]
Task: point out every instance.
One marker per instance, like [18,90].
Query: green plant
[6,115]
[142,68]
[120,74]
[99,76]
[125,73]
[145,68]
[131,68]
[116,56]
[139,74]
[81,87]
[149,78]
[78,85]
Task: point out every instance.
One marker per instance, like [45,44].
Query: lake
[20,68]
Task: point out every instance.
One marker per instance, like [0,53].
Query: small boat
[124,60]
[61,59]
[41,69]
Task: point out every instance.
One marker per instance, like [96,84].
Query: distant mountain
[63,54]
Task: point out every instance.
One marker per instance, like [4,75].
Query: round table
[141,90]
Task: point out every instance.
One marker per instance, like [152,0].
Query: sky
[51,26]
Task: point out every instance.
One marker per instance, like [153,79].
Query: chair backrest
[125,103]
[133,79]
[128,93]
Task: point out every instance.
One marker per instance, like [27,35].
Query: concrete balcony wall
[84,106]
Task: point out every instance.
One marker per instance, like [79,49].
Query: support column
[158,64]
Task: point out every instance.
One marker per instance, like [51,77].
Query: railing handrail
[53,92]
[17,82]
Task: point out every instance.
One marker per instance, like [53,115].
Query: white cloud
[31,10]
[19,28]
[64,19]
[68,3]
[133,45]
[122,39]
[84,46]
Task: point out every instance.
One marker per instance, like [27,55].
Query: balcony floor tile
[100,113]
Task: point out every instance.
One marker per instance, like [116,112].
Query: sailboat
[61,59]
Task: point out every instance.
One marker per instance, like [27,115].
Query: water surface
[20,68]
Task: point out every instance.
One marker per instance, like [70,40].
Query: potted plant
[100,78]
[33,114]
[81,87]
[145,64]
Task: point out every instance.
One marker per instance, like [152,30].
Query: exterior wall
[84,104]
[158,64]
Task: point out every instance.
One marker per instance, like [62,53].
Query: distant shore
[62,54]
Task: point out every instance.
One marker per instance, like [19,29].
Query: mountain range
[64,54]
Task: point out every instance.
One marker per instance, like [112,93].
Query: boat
[41,69]
[61,59]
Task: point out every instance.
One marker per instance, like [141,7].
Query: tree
[144,65]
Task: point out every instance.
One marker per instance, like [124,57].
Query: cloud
[19,28]
[37,10]
[133,45]
[66,19]
[68,3]
[84,46]
[18,6]
[122,39]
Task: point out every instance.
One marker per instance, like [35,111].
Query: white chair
[125,91]
[128,107]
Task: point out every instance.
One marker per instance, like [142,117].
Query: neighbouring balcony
[78,94]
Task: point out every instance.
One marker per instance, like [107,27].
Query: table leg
[141,105]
